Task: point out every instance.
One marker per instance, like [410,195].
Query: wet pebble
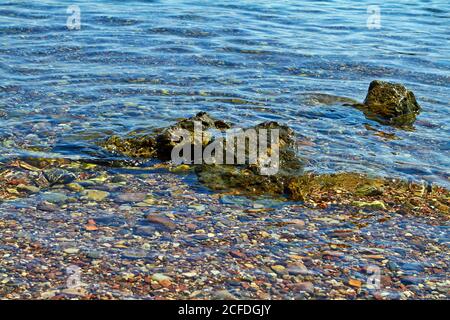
[130,197]
[96,195]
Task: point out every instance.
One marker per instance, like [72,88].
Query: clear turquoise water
[136,65]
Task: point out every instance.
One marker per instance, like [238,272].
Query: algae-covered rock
[391,103]
[137,147]
[169,137]
[233,161]
[267,173]
[160,143]
[308,185]
[387,103]
[239,179]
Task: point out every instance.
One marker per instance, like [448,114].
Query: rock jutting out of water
[290,180]
[390,103]
[160,143]
[385,102]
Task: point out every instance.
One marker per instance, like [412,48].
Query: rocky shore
[201,231]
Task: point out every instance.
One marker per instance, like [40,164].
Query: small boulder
[391,103]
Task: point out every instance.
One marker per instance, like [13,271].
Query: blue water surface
[137,65]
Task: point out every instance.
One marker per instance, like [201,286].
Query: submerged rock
[96,195]
[59,176]
[309,185]
[390,103]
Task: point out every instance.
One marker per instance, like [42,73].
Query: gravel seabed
[204,245]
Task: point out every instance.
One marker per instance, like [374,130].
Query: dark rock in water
[411,280]
[249,176]
[317,98]
[160,143]
[144,231]
[170,137]
[59,176]
[138,147]
[110,221]
[46,206]
[390,103]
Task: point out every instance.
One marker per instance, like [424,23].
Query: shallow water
[137,65]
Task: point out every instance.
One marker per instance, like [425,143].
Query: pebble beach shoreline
[203,245]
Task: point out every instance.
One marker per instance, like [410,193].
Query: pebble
[71,250]
[59,176]
[238,254]
[354,283]
[144,231]
[163,221]
[279,269]
[134,254]
[54,197]
[75,187]
[158,277]
[224,295]
[377,204]
[130,197]
[296,270]
[411,266]
[410,280]
[46,206]
[96,195]
[198,207]
[28,188]
[305,286]
[94,254]
[297,223]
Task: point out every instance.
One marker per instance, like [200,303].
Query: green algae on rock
[308,185]
[137,147]
[170,137]
[390,103]
[247,177]
[161,142]
[387,103]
